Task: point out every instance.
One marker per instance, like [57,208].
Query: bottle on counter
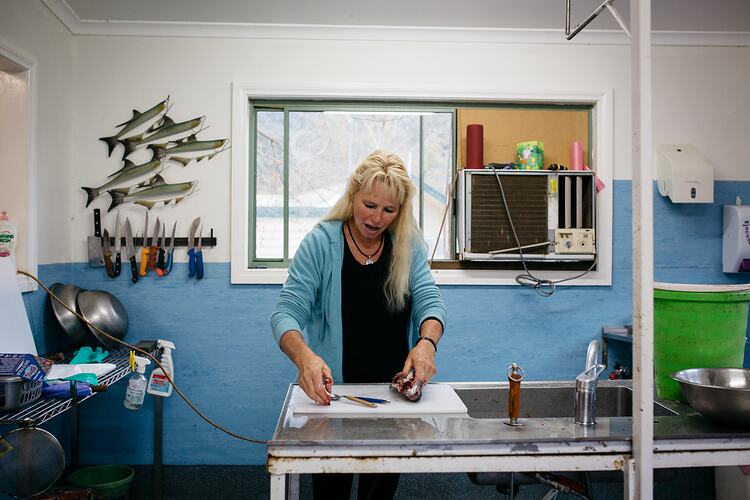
[137,383]
[7,236]
[158,384]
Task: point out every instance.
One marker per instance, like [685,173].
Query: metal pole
[585,22]
[158,448]
[643,260]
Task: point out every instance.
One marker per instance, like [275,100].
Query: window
[304,153]
[296,152]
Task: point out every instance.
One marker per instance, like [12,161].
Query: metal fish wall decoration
[137,119]
[161,150]
[167,129]
[156,191]
[126,174]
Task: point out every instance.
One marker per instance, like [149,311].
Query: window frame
[242,188]
[358,106]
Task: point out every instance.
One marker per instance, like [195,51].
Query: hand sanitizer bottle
[136,385]
[158,384]
[7,236]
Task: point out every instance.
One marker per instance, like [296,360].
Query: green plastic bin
[697,326]
[109,481]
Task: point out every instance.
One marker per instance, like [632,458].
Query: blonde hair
[389,171]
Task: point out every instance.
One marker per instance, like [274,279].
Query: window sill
[442,277]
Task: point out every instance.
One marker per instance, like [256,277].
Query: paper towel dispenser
[736,238]
[683,174]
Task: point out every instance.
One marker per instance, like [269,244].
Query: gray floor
[251,482]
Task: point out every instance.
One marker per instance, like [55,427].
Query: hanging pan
[31,460]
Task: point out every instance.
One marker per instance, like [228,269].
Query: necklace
[369,260]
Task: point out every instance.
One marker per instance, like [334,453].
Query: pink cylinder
[474,146]
[576,156]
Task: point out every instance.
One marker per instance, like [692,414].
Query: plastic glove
[86,355]
[63,389]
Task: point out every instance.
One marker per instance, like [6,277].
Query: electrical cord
[149,356]
[543,287]
[445,212]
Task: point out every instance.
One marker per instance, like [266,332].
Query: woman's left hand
[422,359]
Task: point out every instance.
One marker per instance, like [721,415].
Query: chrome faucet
[586,383]
[592,354]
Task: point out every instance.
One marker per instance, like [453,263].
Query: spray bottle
[136,384]
[158,385]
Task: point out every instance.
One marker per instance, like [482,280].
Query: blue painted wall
[228,364]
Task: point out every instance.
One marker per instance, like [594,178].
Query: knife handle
[191,262]
[152,253]
[108,265]
[374,400]
[144,260]
[117,266]
[199,264]
[160,262]
[168,265]
[361,401]
[514,399]
[133,270]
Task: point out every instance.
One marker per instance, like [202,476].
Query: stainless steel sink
[550,401]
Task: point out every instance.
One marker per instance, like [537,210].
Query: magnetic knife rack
[210,241]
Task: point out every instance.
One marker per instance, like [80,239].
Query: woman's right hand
[311,367]
[315,378]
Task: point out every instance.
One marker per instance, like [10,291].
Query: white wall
[699,98]
[124,72]
[31,29]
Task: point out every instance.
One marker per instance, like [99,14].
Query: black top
[375,340]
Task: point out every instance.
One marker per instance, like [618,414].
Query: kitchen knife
[160,245]
[144,249]
[130,251]
[191,246]
[199,256]
[373,400]
[94,243]
[116,266]
[169,253]
[153,252]
[108,255]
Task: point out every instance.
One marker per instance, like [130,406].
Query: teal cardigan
[310,300]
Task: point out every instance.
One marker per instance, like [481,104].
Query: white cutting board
[437,399]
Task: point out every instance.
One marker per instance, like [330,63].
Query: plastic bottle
[7,236]
[158,385]
[136,385]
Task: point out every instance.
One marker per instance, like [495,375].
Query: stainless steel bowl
[69,322]
[103,310]
[721,394]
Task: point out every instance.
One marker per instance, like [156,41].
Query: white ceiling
[667,15]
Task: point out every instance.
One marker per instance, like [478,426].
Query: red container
[474,146]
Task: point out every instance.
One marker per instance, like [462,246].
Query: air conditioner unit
[553,213]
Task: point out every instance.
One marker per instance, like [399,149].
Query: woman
[361,287]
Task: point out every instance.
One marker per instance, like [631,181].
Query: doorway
[17,188]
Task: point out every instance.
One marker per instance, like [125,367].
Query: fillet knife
[130,251]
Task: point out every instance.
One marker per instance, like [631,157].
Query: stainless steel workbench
[319,444]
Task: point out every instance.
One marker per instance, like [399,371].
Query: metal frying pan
[31,460]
